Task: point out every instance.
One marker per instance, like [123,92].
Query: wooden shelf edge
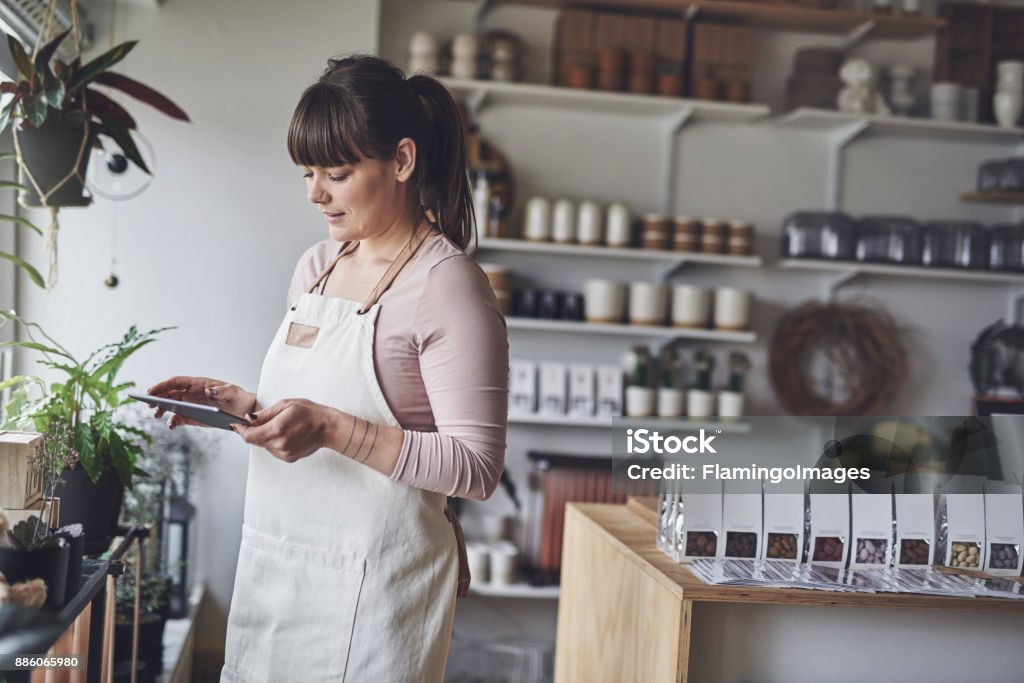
[993,197]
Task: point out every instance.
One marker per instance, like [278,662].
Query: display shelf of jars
[620,253]
[514,590]
[502,92]
[826,120]
[618,330]
[788,17]
[856,268]
[605,422]
[994,197]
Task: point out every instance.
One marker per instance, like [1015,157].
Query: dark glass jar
[1011,176]
[819,234]
[1006,250]
[889,239]
[990,175]
[954,244]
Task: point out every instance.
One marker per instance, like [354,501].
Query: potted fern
[671,399]
[640,395]
[730,400]
[699,400]
[92,490]
[57,115]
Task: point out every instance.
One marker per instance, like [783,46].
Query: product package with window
[961,526]
[522,387]
[782,536]
[581,390]
[871,530]
[915,529]
[741,520]
[1004,528]
[702,525]
[554,388]
[669,515]
[829,536]
[609,390]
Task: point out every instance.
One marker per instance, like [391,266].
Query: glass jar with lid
[819,234]
[1006,250]
[889,239]
[954,244]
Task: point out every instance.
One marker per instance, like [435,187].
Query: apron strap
[464,575]
[346,249]
[394,269]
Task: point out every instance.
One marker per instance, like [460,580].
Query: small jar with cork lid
[713,233]
[686,234]
[654,234]
[741,238]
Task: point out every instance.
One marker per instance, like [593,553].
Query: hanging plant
[57,116]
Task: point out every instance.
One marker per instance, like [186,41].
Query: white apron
[343,574]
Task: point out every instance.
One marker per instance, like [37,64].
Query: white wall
[211,245]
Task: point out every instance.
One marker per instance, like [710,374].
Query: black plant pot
[48,564]
[151,644]
[95,506]
[49,155]
[76,552]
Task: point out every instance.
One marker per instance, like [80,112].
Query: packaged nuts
[701,543]
[965,555]
[827,549]
[740,544]
[914,551]
[782,546]
[1003,556]
[872,551]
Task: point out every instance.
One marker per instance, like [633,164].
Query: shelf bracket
[475,102]
[1015,305]
[838,140]
[675,124]
[857,36]
[836,283]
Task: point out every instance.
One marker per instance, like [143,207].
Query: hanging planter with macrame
[57,116]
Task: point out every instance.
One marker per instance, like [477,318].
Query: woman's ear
[405,159]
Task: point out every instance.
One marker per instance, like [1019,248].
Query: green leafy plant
[739,366]
[50,94]
[33,534]
[84,402]
[705,364]
[669,367]
[637,363]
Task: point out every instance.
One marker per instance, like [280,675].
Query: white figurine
[860,95]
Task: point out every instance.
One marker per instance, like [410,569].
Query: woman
[384,390]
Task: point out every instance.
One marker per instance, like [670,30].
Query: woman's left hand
[290,429]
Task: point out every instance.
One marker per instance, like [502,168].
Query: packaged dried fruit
[830,528]
[1004,528]
[915,529]
[961,534]
[783,535]
[741,519]
[871,530]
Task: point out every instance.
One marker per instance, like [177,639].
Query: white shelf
[618,253]
[826,120]
[499,92]
[682,423]
[515,590]
[614,330]
[853,268]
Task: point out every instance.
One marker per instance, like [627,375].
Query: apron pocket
[292,611]
[301,335]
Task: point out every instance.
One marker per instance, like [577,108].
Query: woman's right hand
[211,392]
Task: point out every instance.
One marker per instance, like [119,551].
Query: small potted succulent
[640,395]
[730,401]
[700,400]
[671,398]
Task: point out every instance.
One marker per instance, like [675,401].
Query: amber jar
[611,66]
[580,76]
[670,84]
[641,73]
[741,238]
[713,235]
[654,232]
[686,234]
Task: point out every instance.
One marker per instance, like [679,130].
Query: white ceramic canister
[619,225]
[604,301]
[563,222]
[690,306]
[647,303]
[730,404]
[671,402]
[589,229]
[503,563]
[640,401]
[732,308]
[700,403]
[537,220]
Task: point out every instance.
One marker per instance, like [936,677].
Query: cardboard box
[582,390]
[20,482]
[915,529]
[871,537]
[554,394]
[1004,529]
[609,390]
[829,542]
[522,387]
[783,527]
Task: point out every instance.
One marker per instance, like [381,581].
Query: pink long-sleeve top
[441,356]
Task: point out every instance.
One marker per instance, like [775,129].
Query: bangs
[325,131]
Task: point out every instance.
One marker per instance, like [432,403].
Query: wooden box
[20,482]
[625,32]
[36,509]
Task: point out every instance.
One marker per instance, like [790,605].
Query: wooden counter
[620,595]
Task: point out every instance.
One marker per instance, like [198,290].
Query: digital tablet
[208,415]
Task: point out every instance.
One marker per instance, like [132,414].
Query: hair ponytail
[363,106]
[444,186]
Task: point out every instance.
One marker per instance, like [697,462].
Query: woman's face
[360,200]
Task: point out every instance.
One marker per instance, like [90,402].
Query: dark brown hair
[362,106]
